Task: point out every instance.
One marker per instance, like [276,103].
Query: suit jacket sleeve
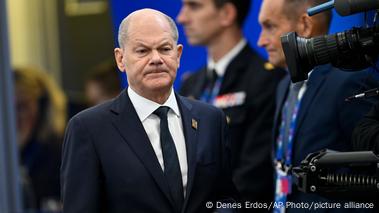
[80,176]
[366,133]
[350,113]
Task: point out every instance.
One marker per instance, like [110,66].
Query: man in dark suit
[310,115]
[148,150]
[237,80]
[366,133]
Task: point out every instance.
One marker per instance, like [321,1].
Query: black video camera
[351,50]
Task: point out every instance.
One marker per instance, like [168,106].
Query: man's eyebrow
[162,42]
[267,22]
[139,44]
[191,2]
[165,43]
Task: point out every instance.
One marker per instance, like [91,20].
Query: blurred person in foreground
[310,115]
[41,119]
[103,83]
[148,150]
[366,133]
[241,83]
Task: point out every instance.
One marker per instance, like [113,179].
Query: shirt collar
[221,65]
[305,81]
[145,107]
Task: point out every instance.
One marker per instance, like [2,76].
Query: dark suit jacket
[109,164]
[366,133]
[42,160]
[325,119]
[250,124]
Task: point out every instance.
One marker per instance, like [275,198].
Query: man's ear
[119,56]
[179,48]
[305,26]
[228,14]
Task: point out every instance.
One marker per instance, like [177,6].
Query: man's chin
[194,41]
[160,86]
[275,62]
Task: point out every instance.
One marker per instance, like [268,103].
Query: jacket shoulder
[259,68]
[93,114]
[344,79]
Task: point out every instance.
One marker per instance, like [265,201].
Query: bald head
[145,16]
[294,8]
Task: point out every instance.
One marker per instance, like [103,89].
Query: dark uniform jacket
[250,122]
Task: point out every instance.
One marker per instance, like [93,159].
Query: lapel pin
[194,123]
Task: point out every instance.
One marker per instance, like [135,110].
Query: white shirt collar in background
[221,65]
[303,87]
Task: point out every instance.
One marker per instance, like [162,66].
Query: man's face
[150,57]
[95,93]
[201,21]
[274,23]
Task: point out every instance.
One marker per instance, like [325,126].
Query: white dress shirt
[221,65]
[303,87]
[151,123]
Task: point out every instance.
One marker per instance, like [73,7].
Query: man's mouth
[156,72]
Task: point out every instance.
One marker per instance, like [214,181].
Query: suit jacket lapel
[315,81]
[199,84]
[282,91]
[129,126]
[190,134]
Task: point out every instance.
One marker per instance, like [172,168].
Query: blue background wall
[195,57]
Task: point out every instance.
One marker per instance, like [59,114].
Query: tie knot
[161,112]
[213,75]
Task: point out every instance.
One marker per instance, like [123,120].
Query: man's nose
[182,17]
[156,58]
[262,41]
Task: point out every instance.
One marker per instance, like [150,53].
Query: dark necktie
[212,77]
[209,86]
[172,170]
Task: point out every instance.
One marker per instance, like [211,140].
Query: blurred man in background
[237,80]
[103,83]
[310,115]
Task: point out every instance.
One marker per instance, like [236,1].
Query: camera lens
[351,50]
[317,50]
